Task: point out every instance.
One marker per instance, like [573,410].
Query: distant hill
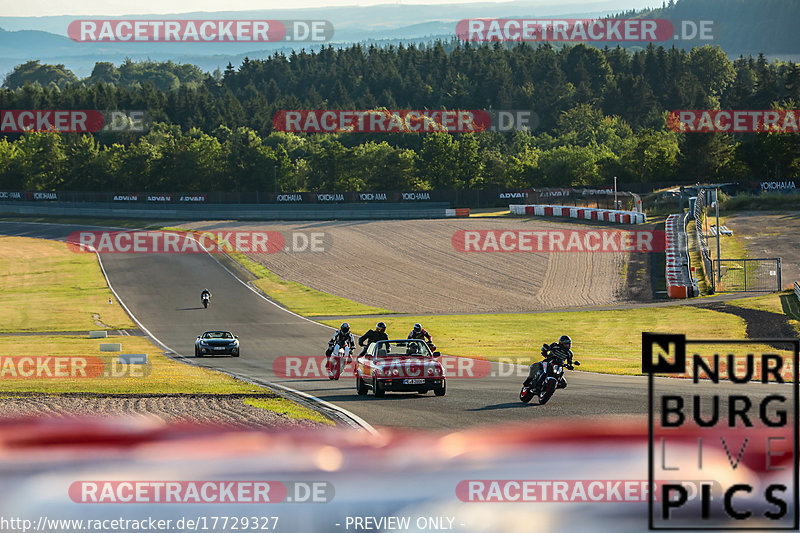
[741,27]
[387,24]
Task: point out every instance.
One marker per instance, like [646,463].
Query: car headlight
[395,372]
[430,371]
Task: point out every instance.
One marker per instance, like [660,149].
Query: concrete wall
[232,212]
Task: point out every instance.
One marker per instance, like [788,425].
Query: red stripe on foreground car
[73,475]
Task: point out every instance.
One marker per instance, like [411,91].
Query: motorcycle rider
[561,350]
[420,333]
[373,335]
[204,294]
[342,338]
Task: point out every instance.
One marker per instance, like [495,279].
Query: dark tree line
[602,114]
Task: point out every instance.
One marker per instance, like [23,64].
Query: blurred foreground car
[216,342]
[468,481]
[405,365]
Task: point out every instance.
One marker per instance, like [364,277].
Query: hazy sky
[33,8]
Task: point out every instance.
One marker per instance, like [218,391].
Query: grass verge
[284,407]
[763,202]
[160,375]
[46,287]
[784,302]
[301,299]
[604,341]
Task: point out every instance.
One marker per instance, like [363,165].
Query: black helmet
[417,327]
[380,325]
[565,341]
[345,327]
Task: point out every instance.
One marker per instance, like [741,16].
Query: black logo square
[669,349]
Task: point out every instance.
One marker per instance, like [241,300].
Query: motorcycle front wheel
[525,395]
[547,391]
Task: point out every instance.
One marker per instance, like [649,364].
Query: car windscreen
[411,347]
[217,335]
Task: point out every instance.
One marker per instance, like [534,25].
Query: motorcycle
[335,361]
[205,299]
[546,382]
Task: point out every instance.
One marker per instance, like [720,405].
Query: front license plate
[413,381]
[219,347]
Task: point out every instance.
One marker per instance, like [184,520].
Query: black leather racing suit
[422,334]
[553,350]
[369,337]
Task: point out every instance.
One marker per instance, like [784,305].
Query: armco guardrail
[601,197]
[680,283]
[797,290]
[606,215]
[702,240]
[233,212]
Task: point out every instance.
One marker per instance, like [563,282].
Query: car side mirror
[236,336]
[198,336]
[437,354]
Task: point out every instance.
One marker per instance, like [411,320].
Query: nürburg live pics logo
[725,411]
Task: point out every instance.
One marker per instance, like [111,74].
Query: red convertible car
[405,365]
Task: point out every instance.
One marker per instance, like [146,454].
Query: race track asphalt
[162,291]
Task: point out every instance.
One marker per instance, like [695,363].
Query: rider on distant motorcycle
[373,335]
[205,294]
[341,338]
[560,350]
[420,333]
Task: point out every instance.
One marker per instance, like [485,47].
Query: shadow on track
[507,405]
[371,398]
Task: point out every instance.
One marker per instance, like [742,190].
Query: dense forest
[602,114]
